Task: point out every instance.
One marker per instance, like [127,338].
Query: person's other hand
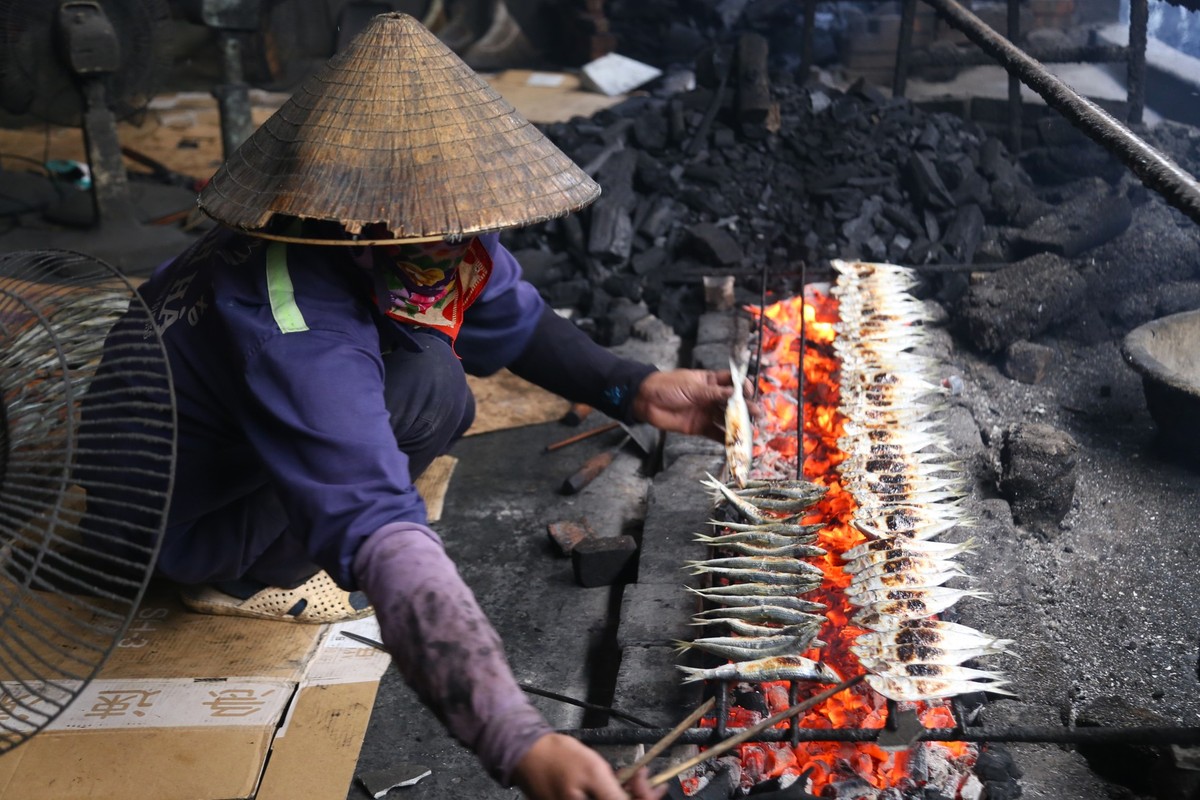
[558,767]
[690,401]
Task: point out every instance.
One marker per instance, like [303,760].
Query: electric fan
[86,63]
[86,398]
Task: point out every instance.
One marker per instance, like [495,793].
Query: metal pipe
[908,21]
[1139,21]
[973,57]
[1158,735]
[1014,84]
[810,24]
[1156,170]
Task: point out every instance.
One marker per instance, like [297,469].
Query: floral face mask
[431,284]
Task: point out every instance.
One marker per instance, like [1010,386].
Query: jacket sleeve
[445,647]
[511,326]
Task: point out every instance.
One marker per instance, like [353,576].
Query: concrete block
[716,328]
[655,615]
[650,686]
[677,507]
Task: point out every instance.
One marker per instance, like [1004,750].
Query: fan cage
[86,473]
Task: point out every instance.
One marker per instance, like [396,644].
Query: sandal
[317,600]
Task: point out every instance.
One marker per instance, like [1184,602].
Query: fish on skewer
[782,490]
[932,633]
[762,613]
[799,583]
[913,689]
[884,615]
[744,628]
[774,668]
[747,600]
[754,538]
[749,648]
[776,564]
[860,593]
[743,506]
[790,550]
[739,431]
[876,565]
[744,590]
[902,545]
[803,532]
[880,659]
[931,596]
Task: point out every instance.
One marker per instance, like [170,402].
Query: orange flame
[776,455]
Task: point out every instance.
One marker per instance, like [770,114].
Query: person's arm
[446,648]
[510,326]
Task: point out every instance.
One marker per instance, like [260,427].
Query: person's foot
[317,600]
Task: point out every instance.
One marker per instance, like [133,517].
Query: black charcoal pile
[751,178]
[747,173]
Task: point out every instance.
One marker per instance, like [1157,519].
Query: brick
[604,560]
[567,533]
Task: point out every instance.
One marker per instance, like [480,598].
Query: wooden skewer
[628,772]
[580,436]
[733,741]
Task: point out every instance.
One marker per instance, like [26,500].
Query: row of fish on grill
[757,592]
[907,493]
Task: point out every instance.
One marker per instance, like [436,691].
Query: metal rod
[762,320]
[722,715]
[1139,20]
[1047,54]
[1186,736]
[793,699]
[908,20]
[1156,170]
[1014,83]
[800,376]
[810,24]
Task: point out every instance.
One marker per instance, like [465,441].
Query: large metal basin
[1166,352]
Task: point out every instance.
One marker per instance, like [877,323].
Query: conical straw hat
[397,130]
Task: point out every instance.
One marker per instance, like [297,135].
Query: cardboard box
[198,707]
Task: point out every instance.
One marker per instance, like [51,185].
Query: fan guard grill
[77,546]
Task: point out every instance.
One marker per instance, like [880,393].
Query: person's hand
[558,767]
[690,401]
